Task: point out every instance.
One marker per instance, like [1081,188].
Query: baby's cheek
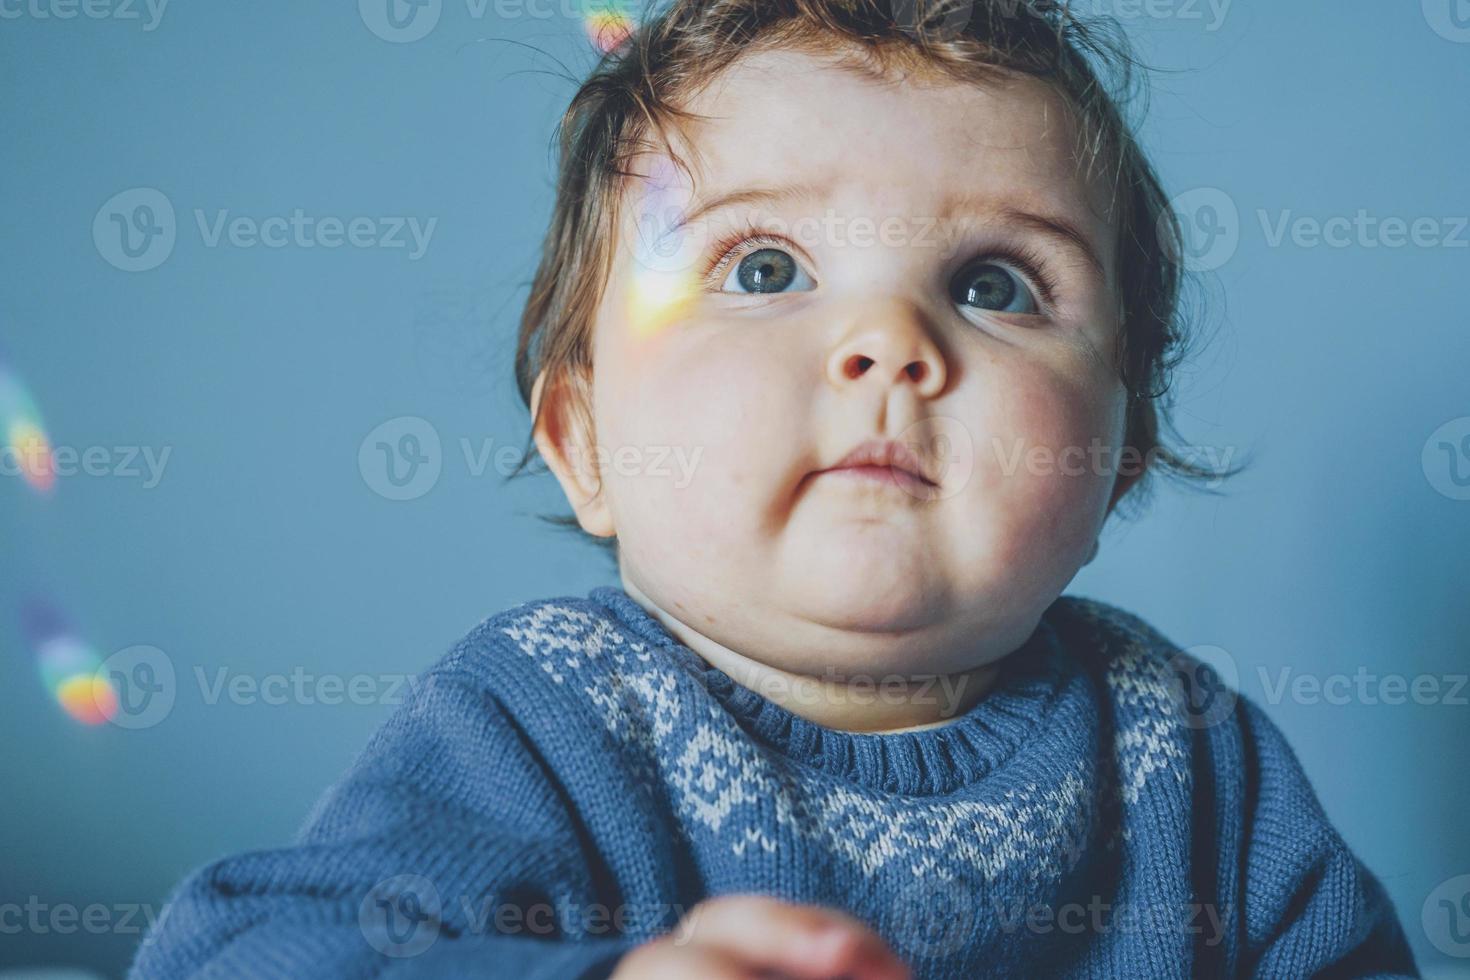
[1051,455]
[715,411]
[700,528]
[692,408]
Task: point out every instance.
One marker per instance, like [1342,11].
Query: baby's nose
[890,343]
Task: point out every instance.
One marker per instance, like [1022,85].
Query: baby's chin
[903,635]
[841,589]
[815,620]
[864,583]
[874,604]
[899,608]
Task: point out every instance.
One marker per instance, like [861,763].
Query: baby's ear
[564,439]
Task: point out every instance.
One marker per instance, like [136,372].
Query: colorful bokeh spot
[608,28]
[69,666]
[26,449]
[88,698]
[31,454]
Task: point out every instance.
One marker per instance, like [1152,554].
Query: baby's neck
[861,704]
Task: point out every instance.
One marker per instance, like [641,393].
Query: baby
[900,287]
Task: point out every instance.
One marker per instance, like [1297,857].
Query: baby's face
[950,289]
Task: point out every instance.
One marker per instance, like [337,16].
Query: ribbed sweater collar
[1032,683]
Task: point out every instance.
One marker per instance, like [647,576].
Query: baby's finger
[800,940]
[665,960]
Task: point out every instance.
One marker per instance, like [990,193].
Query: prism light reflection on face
[662,282]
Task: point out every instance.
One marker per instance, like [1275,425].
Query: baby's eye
[987,285]
[767,270]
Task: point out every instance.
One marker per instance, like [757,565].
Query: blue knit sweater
[570,779]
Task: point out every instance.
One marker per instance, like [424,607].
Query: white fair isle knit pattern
[1087,817]
[720,769]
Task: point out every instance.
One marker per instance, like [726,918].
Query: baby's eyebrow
[1060,230]
[782,194]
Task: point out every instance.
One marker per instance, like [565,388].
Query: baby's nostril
[916,371]
[857,365]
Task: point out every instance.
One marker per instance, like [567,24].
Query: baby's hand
[753,937]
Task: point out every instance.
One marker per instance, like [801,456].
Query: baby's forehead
[888,145]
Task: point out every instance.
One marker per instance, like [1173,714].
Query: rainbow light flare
[69,666]
[607,29]
[663,281]
[25,436]
[655,300]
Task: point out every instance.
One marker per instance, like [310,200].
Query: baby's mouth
[884,461]
[883,474]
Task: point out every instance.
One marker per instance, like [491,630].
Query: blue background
[265,550]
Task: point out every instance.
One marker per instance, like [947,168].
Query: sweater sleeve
[445,851]
[1312,908]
